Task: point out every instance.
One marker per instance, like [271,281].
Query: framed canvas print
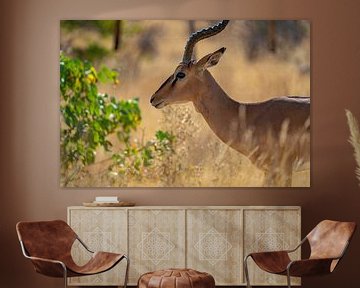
[185,103]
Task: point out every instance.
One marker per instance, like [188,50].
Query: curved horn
[200,35]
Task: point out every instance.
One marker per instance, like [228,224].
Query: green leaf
[89,118]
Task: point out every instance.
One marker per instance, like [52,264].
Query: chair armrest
[84,245]
[309,267]
[298,246]
[280,251]
[271,261]
[46,260]
[49,267]
[268,253]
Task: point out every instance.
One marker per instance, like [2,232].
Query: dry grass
[201,159]
[354,140]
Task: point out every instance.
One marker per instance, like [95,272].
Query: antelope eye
[180,75]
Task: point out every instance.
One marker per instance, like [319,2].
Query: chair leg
[127,271]
[65,276]
[246,270]
[288,278]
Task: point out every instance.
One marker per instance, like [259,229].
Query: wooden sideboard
[211,239]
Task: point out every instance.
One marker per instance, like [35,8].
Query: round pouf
[176,278]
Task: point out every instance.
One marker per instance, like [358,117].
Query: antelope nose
[152,98]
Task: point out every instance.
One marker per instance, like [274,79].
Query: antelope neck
[220,111]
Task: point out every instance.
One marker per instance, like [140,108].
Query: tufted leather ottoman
[176,278]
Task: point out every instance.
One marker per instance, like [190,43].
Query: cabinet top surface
[193,207]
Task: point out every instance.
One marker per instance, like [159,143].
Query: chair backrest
[46,239]
[329,239]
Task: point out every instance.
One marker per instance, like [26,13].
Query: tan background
[30,119]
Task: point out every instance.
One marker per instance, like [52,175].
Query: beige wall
[29,121]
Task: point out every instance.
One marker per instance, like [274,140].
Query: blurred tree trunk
[191,24]
[117,34]
[272,36]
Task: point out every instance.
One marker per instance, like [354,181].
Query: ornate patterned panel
[214,244]
[211,239]
[156,240]
[267,230]
[101,230]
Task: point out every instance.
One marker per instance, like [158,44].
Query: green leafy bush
[105,27]
[93,52]
[89,117]
[134,158]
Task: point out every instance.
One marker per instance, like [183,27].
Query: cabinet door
[270,230]
[214,244]
[101,230]
[156,240]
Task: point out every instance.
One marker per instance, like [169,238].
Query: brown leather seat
[176,278]
[48,245]
[328,242]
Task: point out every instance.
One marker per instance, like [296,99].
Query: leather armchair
[328,242]
[48,245]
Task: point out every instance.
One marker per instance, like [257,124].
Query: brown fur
[257,130]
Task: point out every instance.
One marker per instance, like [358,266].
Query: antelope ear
[210,60]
